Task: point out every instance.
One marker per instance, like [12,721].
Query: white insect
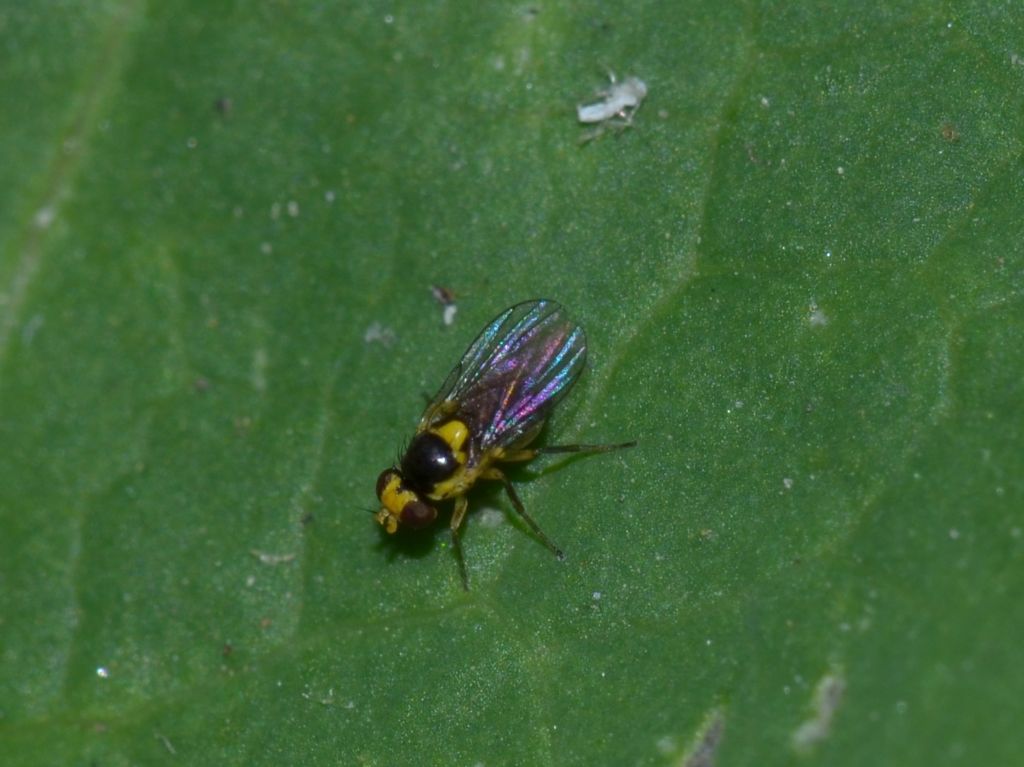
[618,103]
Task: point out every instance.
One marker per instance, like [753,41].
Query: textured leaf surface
[802,278]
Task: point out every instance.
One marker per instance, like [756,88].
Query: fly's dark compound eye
[428,460]
[417,514]
[383,480]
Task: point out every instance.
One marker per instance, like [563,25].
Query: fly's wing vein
[512,375]
[545,377]
[478,358]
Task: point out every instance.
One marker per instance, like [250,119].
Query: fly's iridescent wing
[512,375]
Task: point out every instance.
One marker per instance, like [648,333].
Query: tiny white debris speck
[167,743]
[44,216]
[954,533]
[596,596]
[828,695]
[446,298]
[490,517]
[258,376]
[377,333]
[271,559]
[666,745]
[102,672]
[329,196]
[816,316]
[442,295]
[293,208]
[620,100]
[29,330]
[787,482]
[266,248]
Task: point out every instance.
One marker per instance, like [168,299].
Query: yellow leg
[497,474]
[461,504]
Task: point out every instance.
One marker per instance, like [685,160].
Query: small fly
[491,407]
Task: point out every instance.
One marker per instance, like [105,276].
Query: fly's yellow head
[399,505]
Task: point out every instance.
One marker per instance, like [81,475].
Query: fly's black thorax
[428,461]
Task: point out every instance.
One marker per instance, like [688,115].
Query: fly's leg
[461,504]
[530,453]
[499,475]
[583,448]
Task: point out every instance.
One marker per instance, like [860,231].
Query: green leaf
[801,273]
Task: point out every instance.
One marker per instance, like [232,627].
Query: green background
[802,278]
